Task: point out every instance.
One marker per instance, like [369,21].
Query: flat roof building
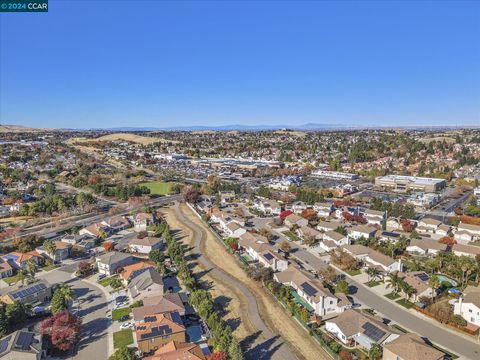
[410,183]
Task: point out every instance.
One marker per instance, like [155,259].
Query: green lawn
[405,303]
[49,267]
[392,296]
[372,283]
[158,187]
[353,272]
[398,327]
[122,338]
[291,235]
[106,281]
[118,313]
[10,280]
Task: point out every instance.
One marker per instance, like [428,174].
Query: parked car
[124,318]
[127,325]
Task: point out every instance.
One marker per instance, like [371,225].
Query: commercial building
[335,175]
[403,183]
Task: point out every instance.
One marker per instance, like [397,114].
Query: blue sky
[157,63]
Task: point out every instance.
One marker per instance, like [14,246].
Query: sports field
[158,187]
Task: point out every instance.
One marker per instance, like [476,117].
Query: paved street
[96,341]
[435,332]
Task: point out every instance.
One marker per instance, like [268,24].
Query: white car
[127,325]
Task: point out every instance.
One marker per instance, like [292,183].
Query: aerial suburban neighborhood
[239,180]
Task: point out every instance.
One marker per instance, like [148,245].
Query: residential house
[373,258]
[142,220]
[411,346]
[97,230]
[428,226]
[294,219]
[234,230]
[468,305]
[157,330]
[323,209]
[393,224]
[325,226]
[442,231]
[362,231]
[418,280]
[374,217]
[312,291]
[354,327]
[226,196]
[467,250]
[131,271]
[308,232]
[6,269]
[19,260]
[267,207]
[63,251]
[298,207]
[37,292]
[175,350]
[117,223]
[145,284]
[258,248]
[22,345]
[159,304]
[426,247]
[467,232]
[111,262]
[74,239]
[388,236]
[145,245]
[333,239]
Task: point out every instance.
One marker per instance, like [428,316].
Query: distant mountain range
[306,127]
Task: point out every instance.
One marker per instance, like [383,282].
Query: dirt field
[144,140]
[295,133]
[447,139]
[235,310]
[275,315]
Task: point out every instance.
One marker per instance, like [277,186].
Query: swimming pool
[443,278]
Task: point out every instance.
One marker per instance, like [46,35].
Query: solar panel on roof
[268,256]
[24,340]
[308,289]
[4,344]
[373,332]
[391,234]
[423,276]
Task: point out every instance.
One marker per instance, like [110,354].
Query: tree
[61,297]
[62,329]
[342,287]
[123,353]
[375,351]
[328,274]
[16,313]
[31,267]
[156,256]
[234,350]
[108,246]
[394,281]
[189,194]
[434,283]
[372,273]
[84,268]
[285,246]
[22,276]
[50,247]
[218,355]
[116,283]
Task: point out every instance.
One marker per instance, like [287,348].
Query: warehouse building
[410,183]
